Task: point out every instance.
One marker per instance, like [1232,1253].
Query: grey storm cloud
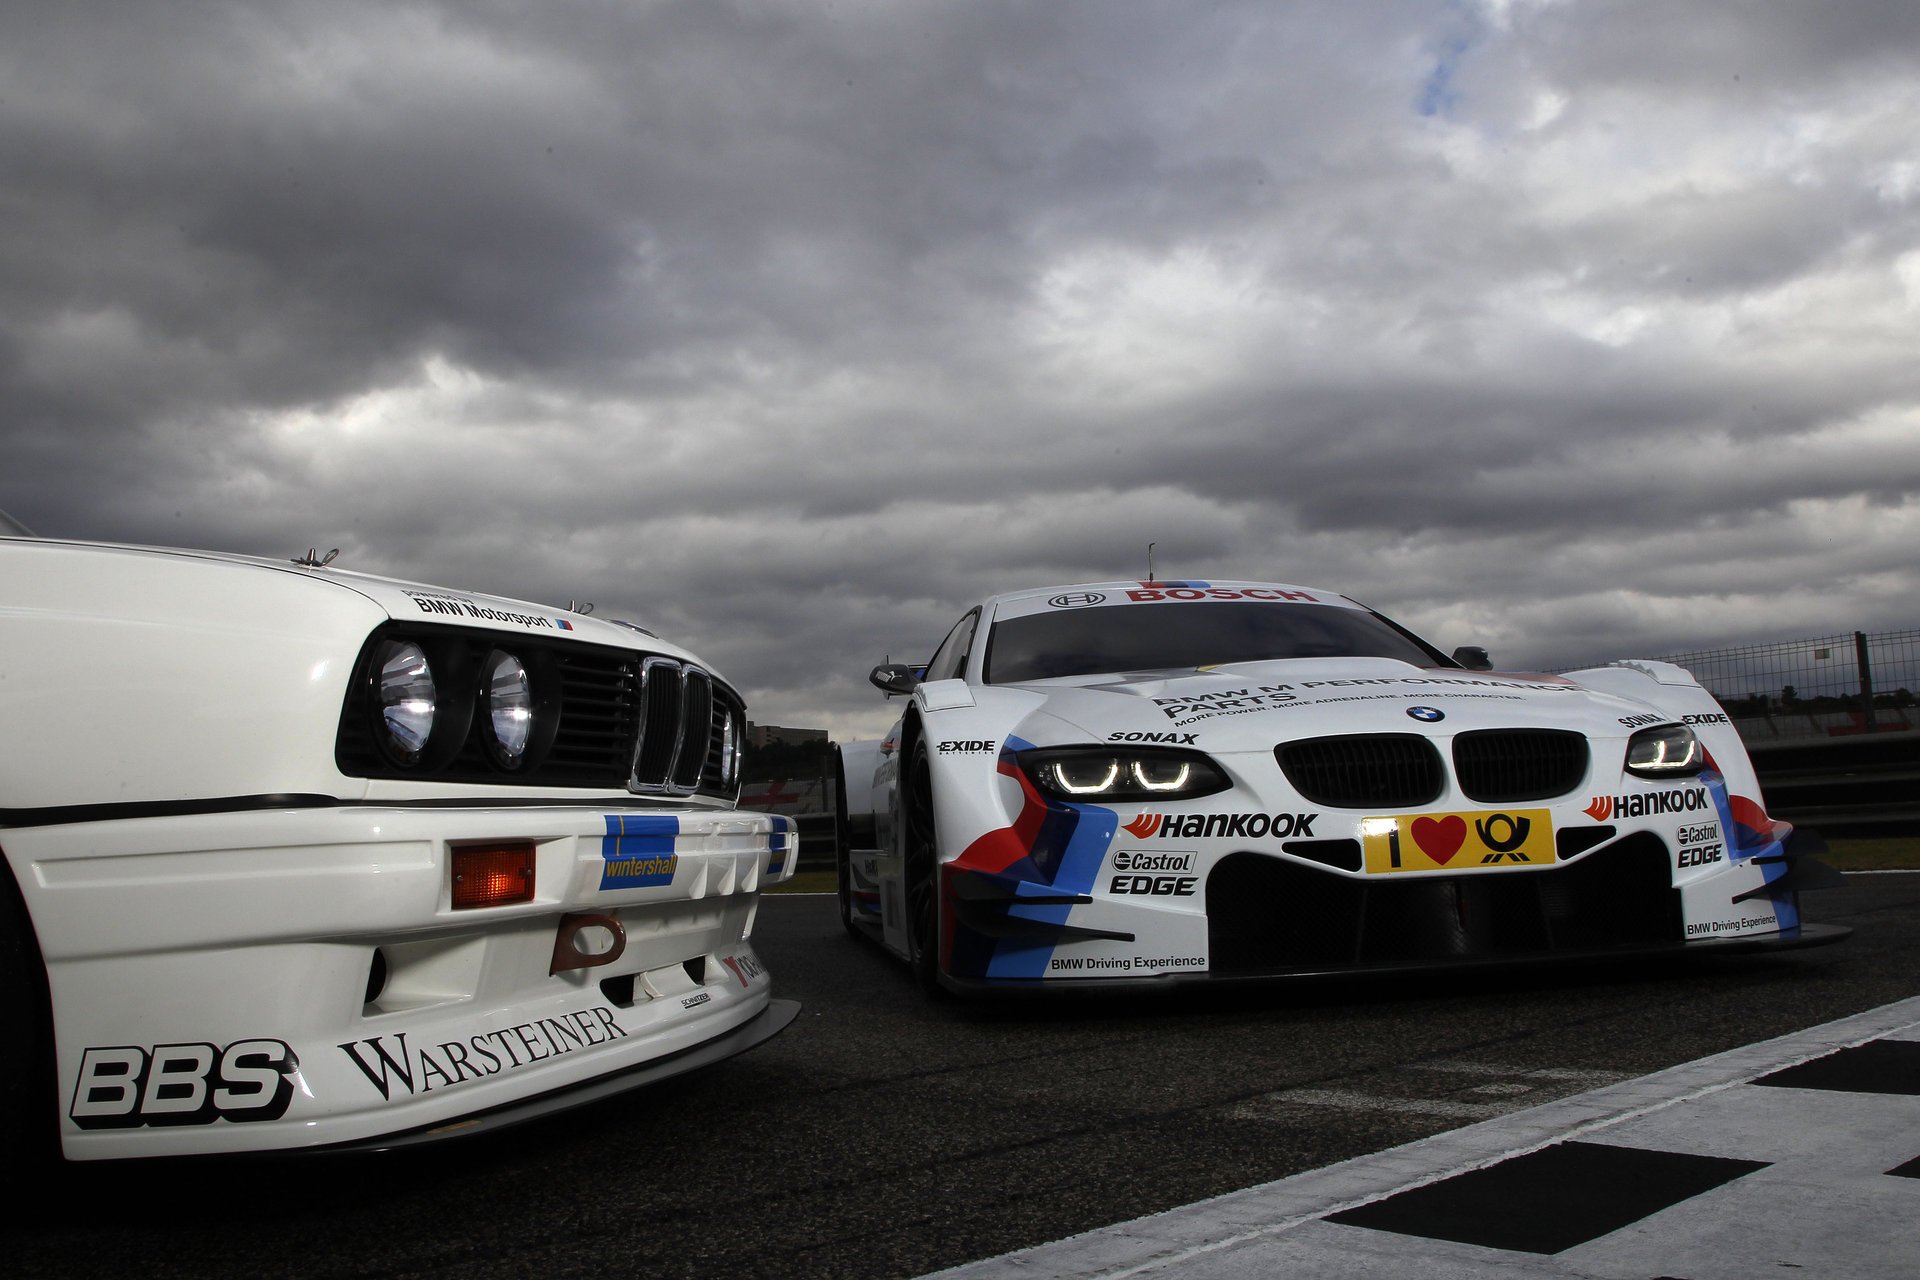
[1565,326]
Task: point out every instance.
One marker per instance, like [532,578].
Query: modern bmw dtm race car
[296,857]
[1171,780]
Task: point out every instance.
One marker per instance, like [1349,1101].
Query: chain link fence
[1825,687]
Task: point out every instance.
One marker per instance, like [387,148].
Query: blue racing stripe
[1086,849]
[637,851]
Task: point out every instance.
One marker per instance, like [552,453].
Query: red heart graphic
[1440,840]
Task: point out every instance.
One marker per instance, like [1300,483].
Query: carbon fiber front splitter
[1806,935]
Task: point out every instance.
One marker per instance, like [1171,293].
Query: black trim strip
[62,815]
[58,815]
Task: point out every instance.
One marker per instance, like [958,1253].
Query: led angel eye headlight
[408,698]
[509,699]
[1162,775]
[1103,775]
[1089,776]
[1665,751]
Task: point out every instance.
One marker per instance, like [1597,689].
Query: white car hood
[419,602]
[1251,706]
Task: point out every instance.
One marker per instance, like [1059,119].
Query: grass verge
[1879,853]
[806,882]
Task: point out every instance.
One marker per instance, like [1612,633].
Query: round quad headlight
[509,695]
[407,698]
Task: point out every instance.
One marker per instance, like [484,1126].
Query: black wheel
[29,1130]
[842,848]
[921,872]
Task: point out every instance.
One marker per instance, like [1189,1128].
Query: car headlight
[1106,775]
[1665,751]
[509,700]
[408,699]
[730,749]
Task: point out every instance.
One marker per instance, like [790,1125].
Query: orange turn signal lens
[492,875]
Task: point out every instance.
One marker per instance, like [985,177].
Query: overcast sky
[1576,330]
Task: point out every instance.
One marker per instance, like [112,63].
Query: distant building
[775,735]
[788,795]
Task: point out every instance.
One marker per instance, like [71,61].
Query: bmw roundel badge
[1427,714]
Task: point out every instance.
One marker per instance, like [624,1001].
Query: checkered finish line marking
[1857,1056]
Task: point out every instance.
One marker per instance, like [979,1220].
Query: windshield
[1078,642]
[11,528]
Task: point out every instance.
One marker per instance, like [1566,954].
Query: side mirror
[895,677]
[1473,658]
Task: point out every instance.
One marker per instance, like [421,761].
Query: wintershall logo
[421,1069]
[1209,826]
[1647,804]
[637,851]
[625,873]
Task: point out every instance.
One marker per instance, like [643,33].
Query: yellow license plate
[1458,841]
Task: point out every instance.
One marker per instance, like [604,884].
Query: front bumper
[298,978]
[1145,907]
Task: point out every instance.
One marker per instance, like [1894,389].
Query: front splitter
[1806,935]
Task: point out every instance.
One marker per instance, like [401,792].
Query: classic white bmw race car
[1170,780]
[297,857]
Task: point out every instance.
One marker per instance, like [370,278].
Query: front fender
[1673,692]
[964,741]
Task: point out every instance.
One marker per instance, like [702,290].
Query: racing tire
[29,1129]
[921,872]
[842,849]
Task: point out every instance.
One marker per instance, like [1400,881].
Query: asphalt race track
[883,1135]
